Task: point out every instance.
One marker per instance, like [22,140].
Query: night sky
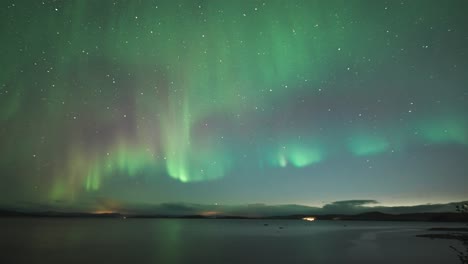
[104,103]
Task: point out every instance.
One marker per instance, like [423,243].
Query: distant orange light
[209,213]
[309,218]
[103,212]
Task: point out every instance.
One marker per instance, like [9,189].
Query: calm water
[54,240]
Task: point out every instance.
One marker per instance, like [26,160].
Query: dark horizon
[349,207]
[128,105]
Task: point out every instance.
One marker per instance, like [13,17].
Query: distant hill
[369,216]
[10,213]
[6,213]
[378,216]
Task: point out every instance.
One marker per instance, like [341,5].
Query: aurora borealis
[232,102]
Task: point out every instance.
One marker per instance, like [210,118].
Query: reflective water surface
[73,240]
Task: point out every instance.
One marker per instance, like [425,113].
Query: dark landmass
[378,216]
[458,236]
[444,229]
[371,216]
[8,213]
[424,217]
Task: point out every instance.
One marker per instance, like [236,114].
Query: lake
[100,240]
